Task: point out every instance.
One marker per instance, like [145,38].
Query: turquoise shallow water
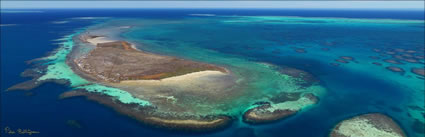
[354,88]
[58,69]
[245,43]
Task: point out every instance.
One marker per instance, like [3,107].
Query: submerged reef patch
[419,71]
[283,108]
[396,69]
[368,125]
[146,114]
[347,58]
[392,61]
[377,63]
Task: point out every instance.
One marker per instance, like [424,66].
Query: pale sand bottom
[359,127]
[190,93]
[182,80]
[205,82]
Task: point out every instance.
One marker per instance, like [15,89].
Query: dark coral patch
[415,108]
[285,96]
[35,74]
[411,60]
[31,84]
[306,79]
[347,58]
[261,103]
[392,61]
[376,63]
[395,69]
[341,61]
[418,71]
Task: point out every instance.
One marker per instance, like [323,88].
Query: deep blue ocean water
[32,37]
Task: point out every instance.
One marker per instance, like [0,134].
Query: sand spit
[186,78]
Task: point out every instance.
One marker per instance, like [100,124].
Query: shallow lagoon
[361,85]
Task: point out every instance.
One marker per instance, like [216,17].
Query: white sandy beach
[98,40]
[189,79]
[101,39]
[209,83]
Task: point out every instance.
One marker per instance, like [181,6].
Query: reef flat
[368,125]
[288,106]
